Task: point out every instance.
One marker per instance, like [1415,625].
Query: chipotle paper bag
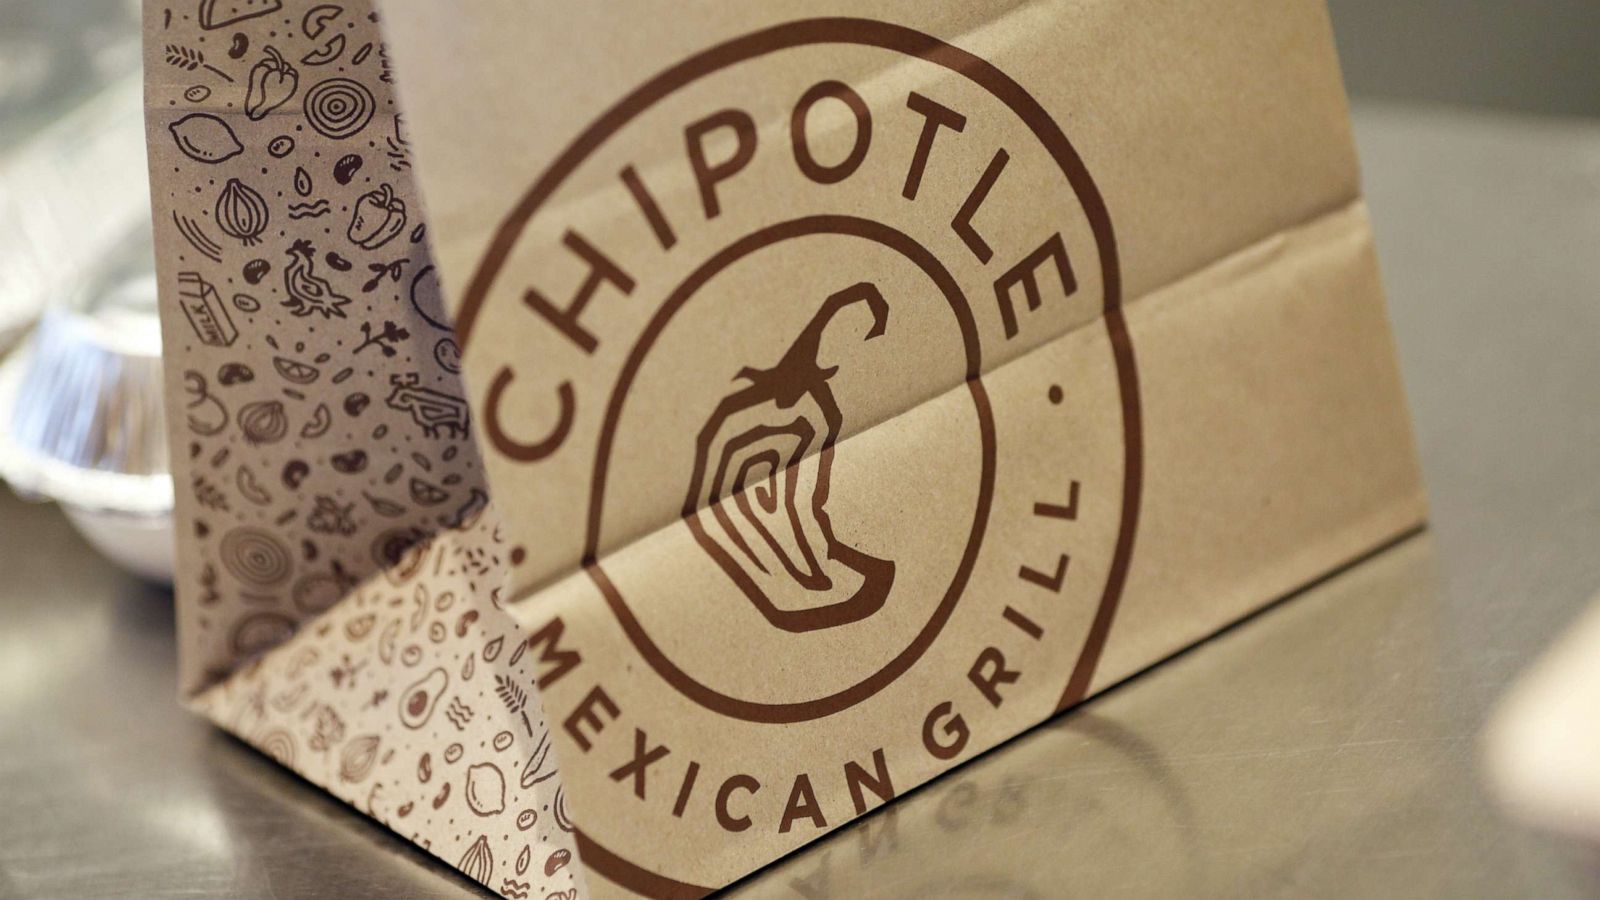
[853,393]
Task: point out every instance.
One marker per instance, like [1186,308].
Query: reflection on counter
[1145,793]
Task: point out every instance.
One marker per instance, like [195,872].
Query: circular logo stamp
[809,353]
[804,544]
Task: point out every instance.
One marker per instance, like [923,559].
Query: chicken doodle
[308,293]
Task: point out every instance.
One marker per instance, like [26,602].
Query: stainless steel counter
[1326,747]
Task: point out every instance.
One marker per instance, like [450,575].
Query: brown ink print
[339,107]
[205,138]
[747,506]
[309,293]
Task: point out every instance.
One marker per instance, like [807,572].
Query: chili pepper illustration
[378,216]
[272,82]
[759,511]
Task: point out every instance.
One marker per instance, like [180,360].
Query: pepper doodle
[272,82]
[377,218]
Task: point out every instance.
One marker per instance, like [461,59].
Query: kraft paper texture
[339,566]
[856,386]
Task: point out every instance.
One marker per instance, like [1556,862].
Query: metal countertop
[1325,747]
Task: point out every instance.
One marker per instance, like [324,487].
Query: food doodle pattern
[338,555]
[410,700]
[274,212]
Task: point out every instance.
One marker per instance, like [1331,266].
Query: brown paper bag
[858,386]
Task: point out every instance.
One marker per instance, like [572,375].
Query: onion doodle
[279,745]
[255,557]
[357,758]
[260,631]
[263,422]
[339,107]
[748,506]
[241,212]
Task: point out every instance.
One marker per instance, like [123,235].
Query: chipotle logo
[756,506]
[808,353]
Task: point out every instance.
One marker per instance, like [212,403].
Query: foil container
[81,417]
